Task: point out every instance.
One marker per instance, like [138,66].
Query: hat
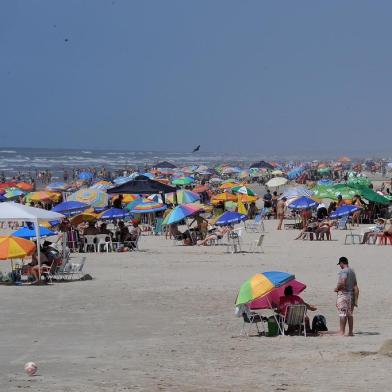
[343,260]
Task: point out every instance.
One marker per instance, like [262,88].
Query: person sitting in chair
[290,299]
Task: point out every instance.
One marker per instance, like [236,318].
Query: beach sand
[163,319]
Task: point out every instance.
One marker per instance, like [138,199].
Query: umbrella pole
[38,249]
[277,321]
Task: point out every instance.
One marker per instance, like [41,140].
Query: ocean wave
[8,151]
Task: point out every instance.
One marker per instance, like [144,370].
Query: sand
[163,319]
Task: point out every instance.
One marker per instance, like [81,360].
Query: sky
[235,76]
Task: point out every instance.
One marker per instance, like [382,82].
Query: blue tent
[29,233]
[69,208]
[302,203]
[229,217]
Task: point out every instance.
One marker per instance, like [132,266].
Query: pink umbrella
[271,300]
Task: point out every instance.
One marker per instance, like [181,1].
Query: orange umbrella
[228,185]
[42,196]
[200,188]
[25,186]
[15,247]
[223,197]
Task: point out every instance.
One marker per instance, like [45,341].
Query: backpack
[319,323]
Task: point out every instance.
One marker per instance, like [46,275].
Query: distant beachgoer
[347,296]
[267,199]
[117,202]
[280,208]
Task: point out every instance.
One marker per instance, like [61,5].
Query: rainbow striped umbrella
[102,185]
[261,284]
[40,196]
[92,197]
[25,186]
[147,207]
[15,247]
[57,186]
[183,197]
[181,212]
[12,193]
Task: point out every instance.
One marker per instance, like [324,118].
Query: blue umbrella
[114,213]
[122,180]
[85,176]
[70,208]
[29,233]
[325,181]
[302,203]
[344,210]
[57,186]
[2,198]
[229,217]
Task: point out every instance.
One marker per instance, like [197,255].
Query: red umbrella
[272,298]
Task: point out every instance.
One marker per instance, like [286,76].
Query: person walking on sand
[280,207]
[347,296]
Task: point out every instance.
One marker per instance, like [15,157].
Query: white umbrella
[10,211]
[276,181]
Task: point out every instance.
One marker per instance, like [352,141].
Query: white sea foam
[8,151]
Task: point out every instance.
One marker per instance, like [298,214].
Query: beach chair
[157,229]
[256,246]
[251,318]
[234,243]
[342,223]
[104,242]
[350,238]
[294,317]
[74,269]
[256,226]
[89,243]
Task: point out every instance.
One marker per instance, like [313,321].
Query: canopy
[165,165]
[261,164]
[142,185]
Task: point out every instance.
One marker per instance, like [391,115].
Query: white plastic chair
[89,243]
[104,242]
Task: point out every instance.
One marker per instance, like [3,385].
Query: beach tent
[142,185]
[10,211]
[261,164]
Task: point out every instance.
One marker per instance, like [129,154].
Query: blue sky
[247,76]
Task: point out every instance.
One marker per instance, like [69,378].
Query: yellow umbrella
[15,247]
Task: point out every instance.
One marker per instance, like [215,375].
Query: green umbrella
[243,190]
[358,182]
[371,195]
[324,192]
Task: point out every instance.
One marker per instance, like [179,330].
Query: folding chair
[342,223]
[352,238]
[256,226]
[251,318]
[257,245]
[294,317]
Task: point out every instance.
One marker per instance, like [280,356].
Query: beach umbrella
[324,170]
[114,213]
[228,185]
[359,182]
[15,247]
[302,203]
[344,159]
[83,217]
[215,180]
[102,185]
[344,210]
[295,192]
[323,192]
[86,176]
[181,212]
[343,190]
[371,195]
[276,181]
[122,180]
[25,186]
[129,198]
[229,218]
[183,197]
[92,197]
[57,186]
[2,198]
[40,196]
[243,190]
[225,196]
[201,188]
[30,233]
[272,298]
[12,193]
[230,205]
[147,207]
[183,181]
[277,172]
[70,207]
[8,185]
[325,182]
[261,284]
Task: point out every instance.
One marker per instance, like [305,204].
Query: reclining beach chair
[257,245]
[235,238]
[257,225]
[74,269]
[294,317]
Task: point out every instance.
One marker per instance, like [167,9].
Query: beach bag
[319,323]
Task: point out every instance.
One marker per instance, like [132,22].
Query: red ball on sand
[31,368]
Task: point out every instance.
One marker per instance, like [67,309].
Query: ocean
[25,160]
